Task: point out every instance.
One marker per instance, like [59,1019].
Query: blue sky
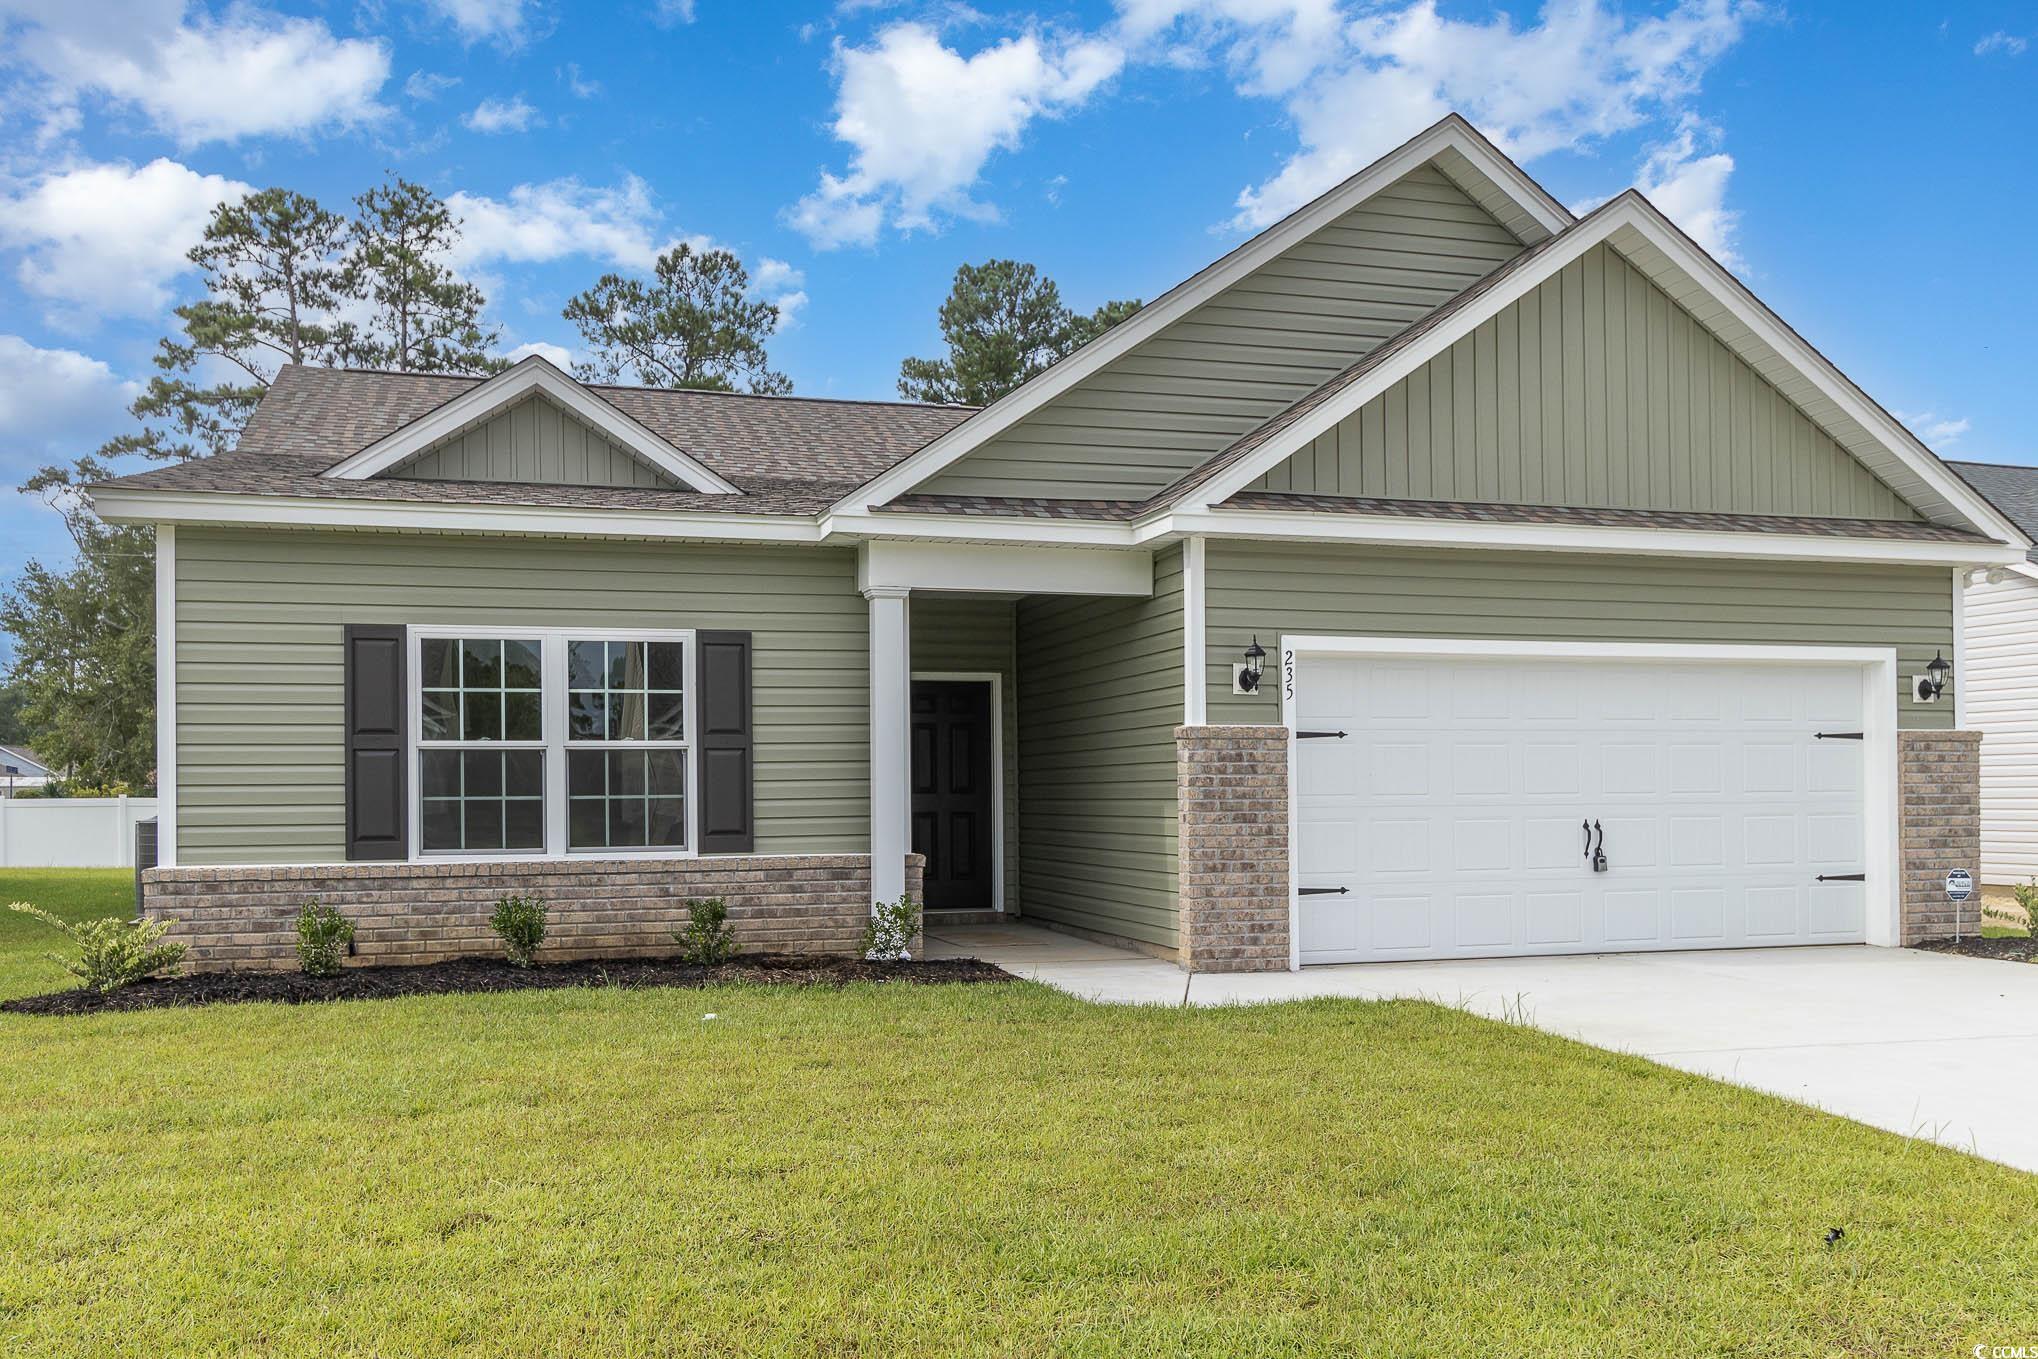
[1866,168]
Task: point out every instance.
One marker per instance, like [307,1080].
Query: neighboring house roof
[25,765]
[2011,489]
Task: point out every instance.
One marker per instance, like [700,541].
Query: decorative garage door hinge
[1321,891]
[1318,735]
[1838,736]
[1842,877]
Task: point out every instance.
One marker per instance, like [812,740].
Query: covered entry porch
[1023,702]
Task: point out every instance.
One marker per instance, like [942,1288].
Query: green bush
[324,936]
[707,938]
[890,931]
[2027,905]
[520,921]
[111,952]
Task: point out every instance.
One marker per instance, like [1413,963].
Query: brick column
[1938,789]
[1233,847]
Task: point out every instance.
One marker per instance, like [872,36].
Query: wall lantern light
[1246,677]
[1932,683]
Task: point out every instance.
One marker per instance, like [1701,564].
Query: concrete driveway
[1919,1043]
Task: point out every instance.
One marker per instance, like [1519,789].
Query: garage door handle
[1321,891]
[1842,877]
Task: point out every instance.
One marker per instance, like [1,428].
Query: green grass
[73,893]
[948,1170]
[1997,929]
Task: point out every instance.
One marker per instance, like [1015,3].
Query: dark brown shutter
[728,815]
[378,813]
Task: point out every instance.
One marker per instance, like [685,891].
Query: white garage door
[1453,810]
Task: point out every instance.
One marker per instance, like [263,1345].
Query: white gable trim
[533,376]
[1632,225]
[1452,135]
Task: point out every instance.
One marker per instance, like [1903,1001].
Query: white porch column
[891,684]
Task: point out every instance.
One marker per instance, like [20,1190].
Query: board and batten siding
[973,635]
[1999,690]
[1283,589]
[1100,696]
[1596,389]
[259,682]
[532,441]
[1255,348]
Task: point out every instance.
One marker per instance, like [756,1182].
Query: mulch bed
[2013,950]
[463,975]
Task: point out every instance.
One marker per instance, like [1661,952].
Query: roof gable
[477,404]
[1593,390]
[535,441]
[1716,300]
[1472,174]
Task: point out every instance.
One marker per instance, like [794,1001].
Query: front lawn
[947,1170]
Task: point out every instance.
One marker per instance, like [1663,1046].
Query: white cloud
[499,20]
[1937,431]
[577,84]
[1691,188]
[2009,44]
[1271,45]
[923,119]
[559,356]
[562,217]
[109,239]
[425,86]
[493,116]
[1577,74]
[57,402]
[783,286]
[202,79]
[671,12]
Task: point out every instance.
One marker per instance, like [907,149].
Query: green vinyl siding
[1278,589]
[259,618]
[532,441]
[1100,696]
[1153,413]
[1595,389]
[973,635]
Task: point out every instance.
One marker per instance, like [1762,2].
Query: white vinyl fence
[70,832]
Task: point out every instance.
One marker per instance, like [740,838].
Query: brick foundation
[1938,789]
[246,917]
[1233,848]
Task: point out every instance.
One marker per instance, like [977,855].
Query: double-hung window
[552,742]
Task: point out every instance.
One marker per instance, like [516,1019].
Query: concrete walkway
[1919,1043]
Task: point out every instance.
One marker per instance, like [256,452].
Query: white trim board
[222,510]
[1451,135]
[533,376]
[166,696]
[1643,236]
[1878,666]
[997,683]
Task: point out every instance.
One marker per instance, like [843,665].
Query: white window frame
[554,740]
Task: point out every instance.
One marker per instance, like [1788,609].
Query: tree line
[285,280]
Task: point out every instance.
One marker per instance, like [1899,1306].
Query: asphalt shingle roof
[784,448]
[2013,490]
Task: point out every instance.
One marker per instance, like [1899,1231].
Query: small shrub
[890,931]
[707,938]
[2027,905]
[111,952]
[520,921]
[324,936]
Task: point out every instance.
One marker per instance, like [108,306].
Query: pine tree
[693,325]
[1004,323]
[422,318]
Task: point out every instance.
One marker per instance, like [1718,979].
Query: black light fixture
[1255,666]
[1936,672]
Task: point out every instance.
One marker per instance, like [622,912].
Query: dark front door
[952,802]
